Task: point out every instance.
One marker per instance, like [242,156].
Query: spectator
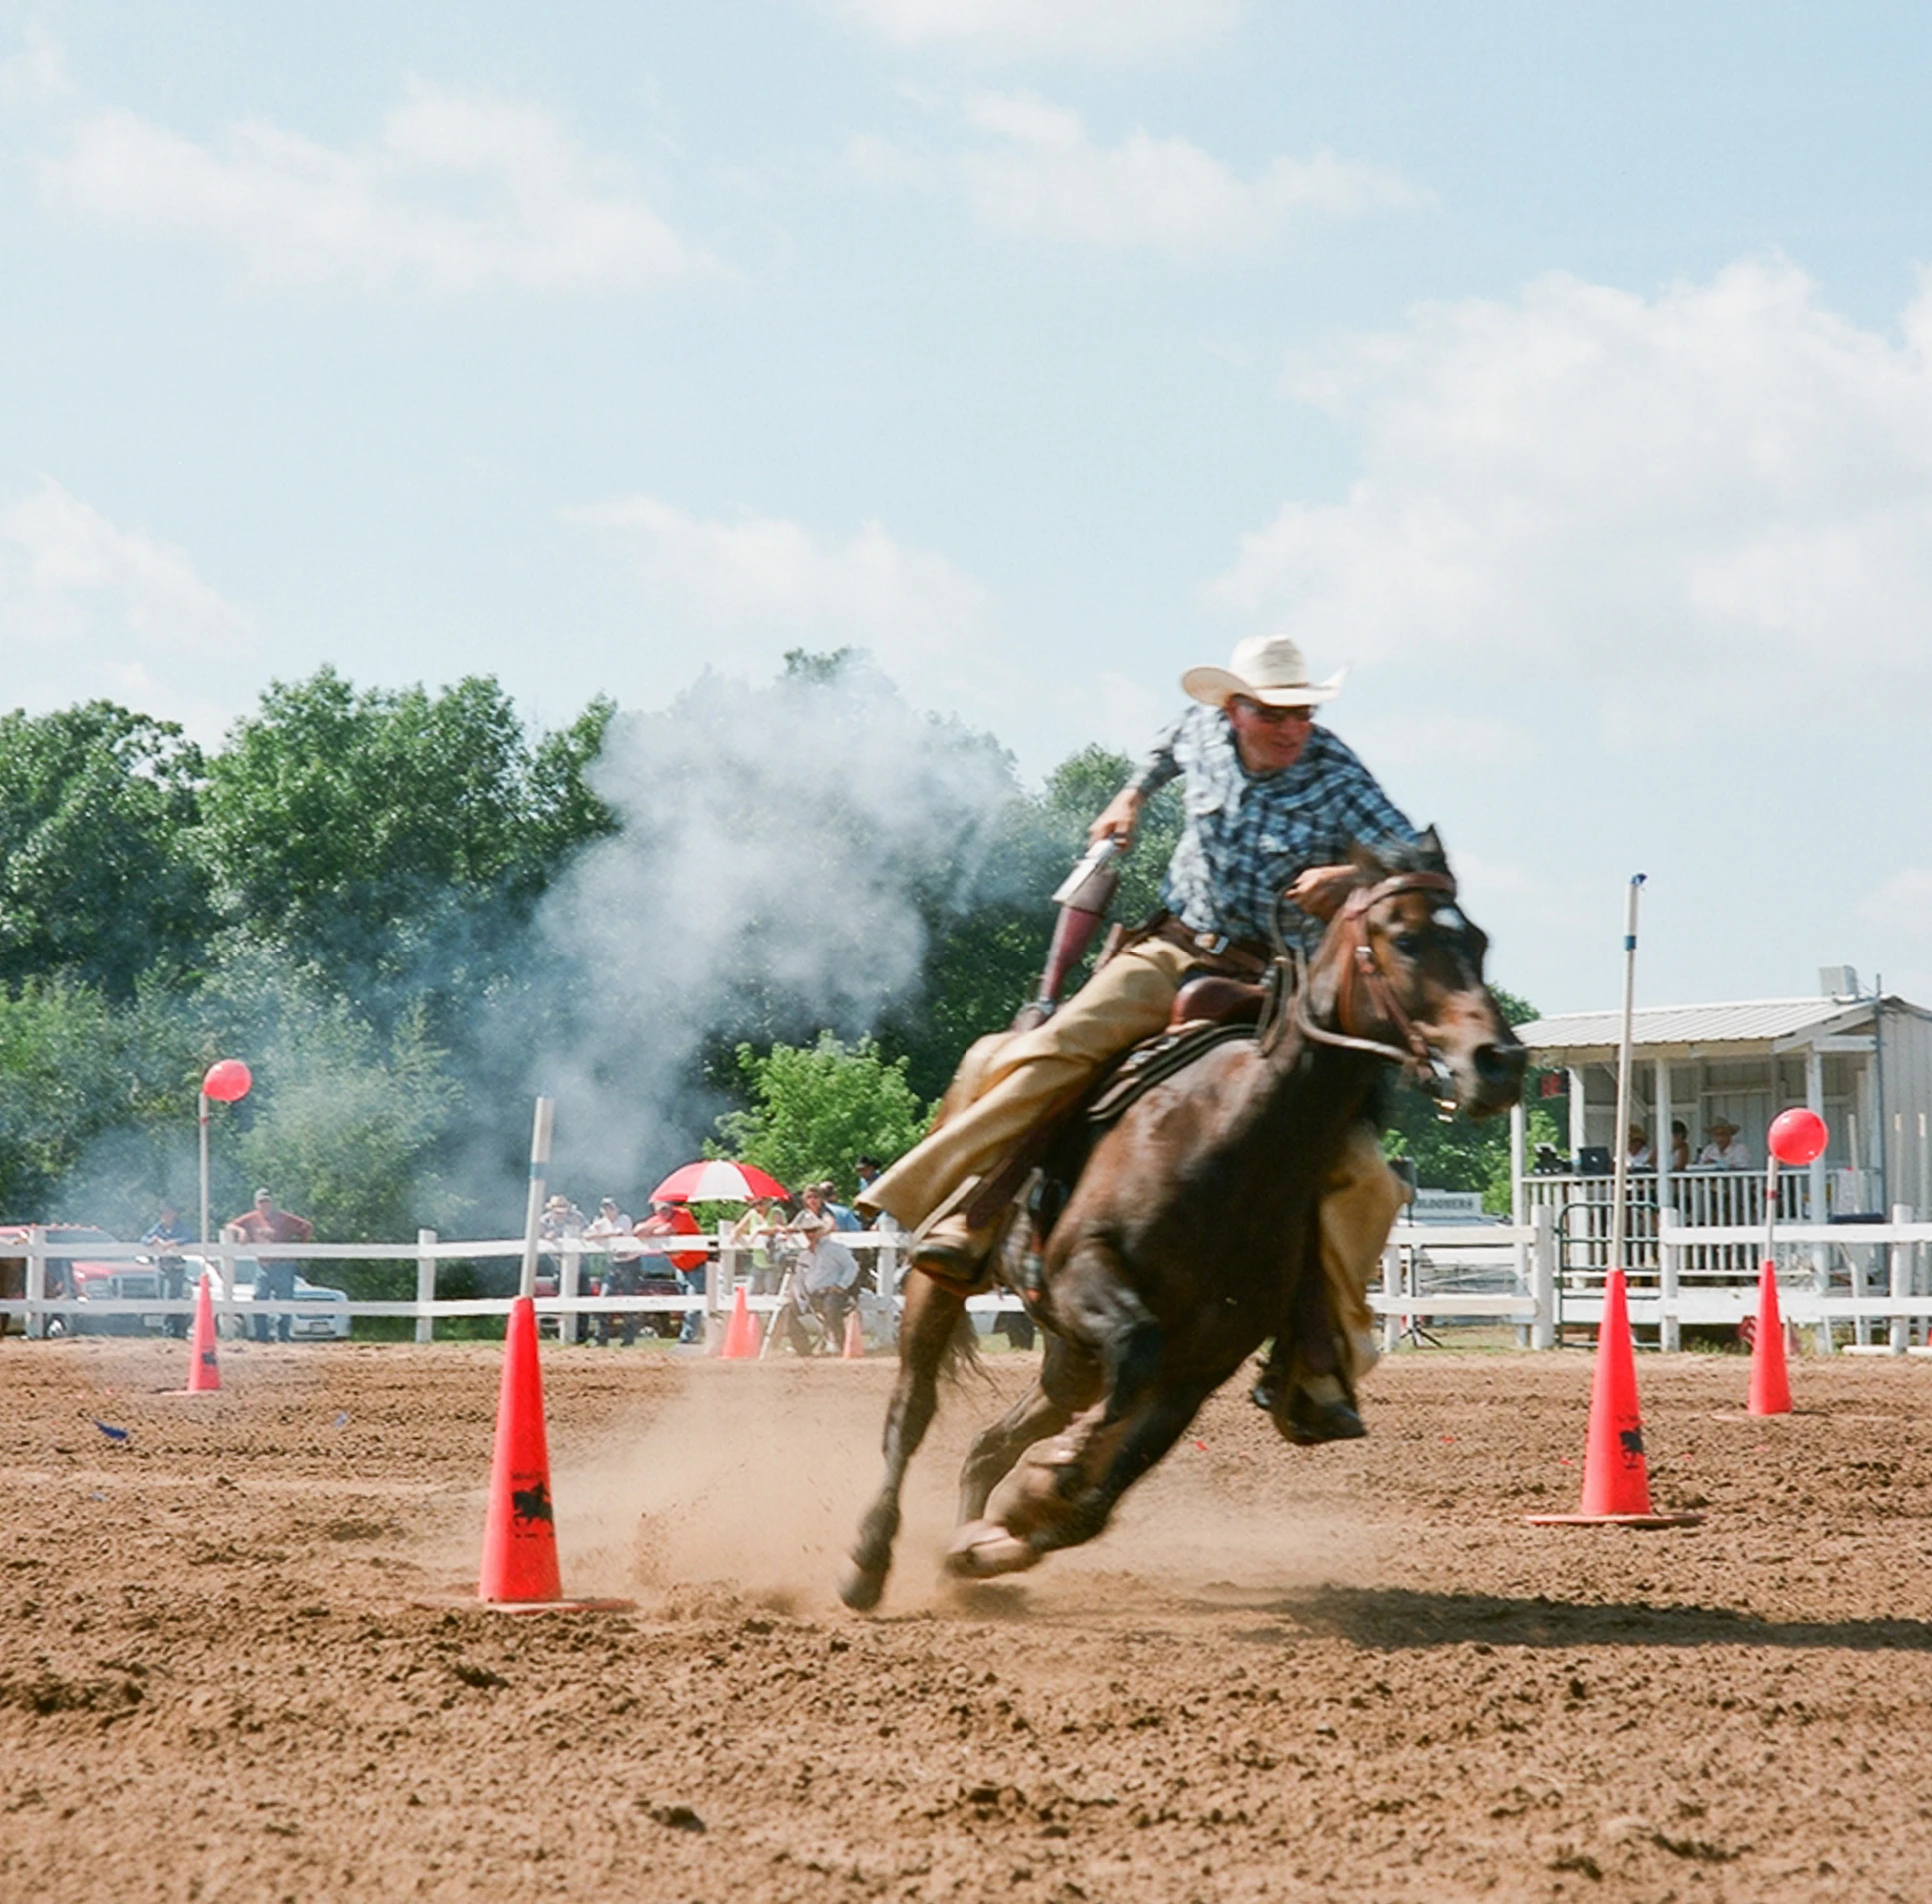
[621,1273]
[1641,1156]
[813,1220]
[866,1169]
[274,1276]
[1724,1152]
[168,1237]
[842,1217]
[1680,1145]
[825,1286]
[688,1266]
[753,1233]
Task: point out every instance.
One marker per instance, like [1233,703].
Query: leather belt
[1241,957]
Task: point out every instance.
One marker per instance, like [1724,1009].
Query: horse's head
[1401,971]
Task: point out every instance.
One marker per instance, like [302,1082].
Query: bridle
[1363,995]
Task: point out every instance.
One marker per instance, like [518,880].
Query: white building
[1863,1064]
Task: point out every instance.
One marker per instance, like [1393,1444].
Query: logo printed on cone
[519,1533]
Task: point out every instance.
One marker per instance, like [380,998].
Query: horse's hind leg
[1066,1490]
[933,1314]
[1070,1382]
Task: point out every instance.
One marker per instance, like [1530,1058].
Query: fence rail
[1872,1279]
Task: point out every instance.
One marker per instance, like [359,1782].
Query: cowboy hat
[1723,1123]
[1270,669]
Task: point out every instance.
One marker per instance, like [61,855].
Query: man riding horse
[1273,803]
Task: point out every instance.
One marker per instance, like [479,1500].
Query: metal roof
[1762,1023]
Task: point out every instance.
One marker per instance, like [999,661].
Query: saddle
[1207,1011]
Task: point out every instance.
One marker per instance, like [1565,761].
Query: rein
[1361,973]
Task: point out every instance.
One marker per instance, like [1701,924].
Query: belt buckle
[1212,943]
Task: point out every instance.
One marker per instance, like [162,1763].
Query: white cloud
[1697,506]
[1118,28]
[1038,172]
[459,193]
[759,584]
[70,576]
[1902,905]
[38,71]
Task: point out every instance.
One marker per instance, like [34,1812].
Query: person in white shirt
[1724,1152]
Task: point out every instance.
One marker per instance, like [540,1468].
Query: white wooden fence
[1870,1283]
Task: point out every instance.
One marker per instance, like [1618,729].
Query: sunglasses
[1274,716]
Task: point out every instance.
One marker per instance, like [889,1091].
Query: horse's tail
[960,1356]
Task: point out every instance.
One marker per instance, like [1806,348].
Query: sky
[1564,373]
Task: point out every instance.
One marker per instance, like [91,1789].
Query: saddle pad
[1155,1063]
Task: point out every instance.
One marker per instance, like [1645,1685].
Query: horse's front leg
[933,1313]
[1070,1382]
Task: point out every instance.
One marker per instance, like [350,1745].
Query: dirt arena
[1347,1673]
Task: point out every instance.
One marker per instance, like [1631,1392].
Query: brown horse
[1190,1236]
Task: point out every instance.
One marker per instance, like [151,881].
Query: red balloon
[1798,1137]
[226,1082]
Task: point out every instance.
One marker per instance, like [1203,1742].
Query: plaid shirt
[1248,835]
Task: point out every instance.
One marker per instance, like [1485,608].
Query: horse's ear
[1431,846]
[1367,864]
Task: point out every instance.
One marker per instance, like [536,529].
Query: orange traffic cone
[519,1534]
[1617,1481]
[204,1372]
[854,1344]
[1770,1384]
[741,1332]
[518,1572]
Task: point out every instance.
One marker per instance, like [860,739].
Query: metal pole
[1882,1159]
[1620,1180]
[202,1114]
[539,1181]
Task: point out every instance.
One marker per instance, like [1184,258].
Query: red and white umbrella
[715,1182]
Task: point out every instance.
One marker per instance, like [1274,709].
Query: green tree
[1457,1154]
[395,835]
[813,1109]
[344,1123]
[97,1104]
[97,877]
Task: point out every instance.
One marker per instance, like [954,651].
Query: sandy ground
[1346,1673]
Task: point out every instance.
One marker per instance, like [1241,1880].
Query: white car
[323,1317]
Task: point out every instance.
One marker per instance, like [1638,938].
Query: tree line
[352,891]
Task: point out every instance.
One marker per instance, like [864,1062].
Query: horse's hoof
[860,1590]
[1308,1423]
[983,1550]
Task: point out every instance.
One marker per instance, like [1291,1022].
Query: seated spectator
[1641,1156]
[1679,1146]
[1724,1152]
[825,1286]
